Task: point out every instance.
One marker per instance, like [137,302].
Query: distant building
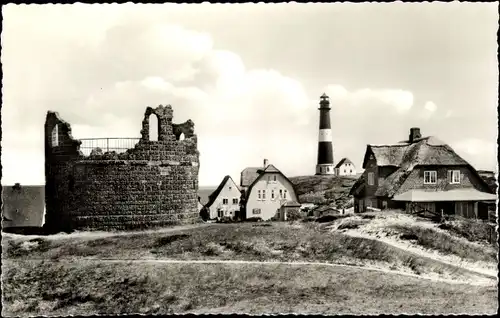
[421,174]
[345,167]
[23,206]
[225,200]
[267,193]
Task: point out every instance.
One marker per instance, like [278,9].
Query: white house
[345,167]
[225,200]
[267,193]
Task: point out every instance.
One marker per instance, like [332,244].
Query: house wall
[269,207]
[369,198]
[467,179]
[153,184]
[229,191]
[346,169]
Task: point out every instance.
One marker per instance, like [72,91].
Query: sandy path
[476,282]
[102,234]
[477,267]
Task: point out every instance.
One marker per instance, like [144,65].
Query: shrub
[169,239]
[294,215]
[472,230]
[254,219]
[351,224]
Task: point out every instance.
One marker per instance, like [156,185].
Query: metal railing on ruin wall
[118,145]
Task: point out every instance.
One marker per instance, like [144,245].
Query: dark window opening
[71,184]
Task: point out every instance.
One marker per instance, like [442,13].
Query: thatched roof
[427,151]
[23,206]
[248,175]
[424,151]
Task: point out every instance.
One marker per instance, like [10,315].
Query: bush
[327,218]
[351,224]
[294,215]
[254,219]
[475,231]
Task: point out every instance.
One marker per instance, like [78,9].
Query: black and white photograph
[255,158]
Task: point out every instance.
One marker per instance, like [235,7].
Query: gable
[344,161]
[226,182]
[283,179]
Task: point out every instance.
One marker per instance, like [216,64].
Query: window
[256,211]
[371,178]
[224,201]
[272,194]
[274,178]
[350,171]
[284,194]
[235,200]
[454,176]
[430,177]
[230,188]
[344,171]
[281,193]
[263,194]
[259,196]
[327,169]
[154,128]
[55,136]
[268,178]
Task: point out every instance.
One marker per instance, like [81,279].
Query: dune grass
[92,287]
[280,242]
[445,243]
[472,230]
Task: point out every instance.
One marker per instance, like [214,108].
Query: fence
[107,144]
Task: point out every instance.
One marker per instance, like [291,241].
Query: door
[360,207]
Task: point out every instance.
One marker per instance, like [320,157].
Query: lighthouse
[325,144]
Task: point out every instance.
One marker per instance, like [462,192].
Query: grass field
[90,287]
[66,274]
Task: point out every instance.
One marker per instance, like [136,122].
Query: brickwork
[153,184]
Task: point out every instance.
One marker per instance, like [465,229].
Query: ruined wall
[153,184]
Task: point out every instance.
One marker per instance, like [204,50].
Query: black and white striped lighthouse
[325,144]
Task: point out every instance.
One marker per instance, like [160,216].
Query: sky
[250,77]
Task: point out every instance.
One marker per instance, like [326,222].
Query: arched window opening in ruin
[182,137]
[154,127]
[55,136]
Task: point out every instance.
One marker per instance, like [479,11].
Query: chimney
[414,134]
[266,163]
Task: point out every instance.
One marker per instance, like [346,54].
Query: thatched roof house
[424,164]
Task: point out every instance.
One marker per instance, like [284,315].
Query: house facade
[345,167]
[420,174]
[267,193]
[225,200]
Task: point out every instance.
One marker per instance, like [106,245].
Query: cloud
[101,66]
[101,85]
[400,100]
[430,106]
[480,153]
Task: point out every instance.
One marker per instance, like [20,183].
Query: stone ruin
[151,185]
